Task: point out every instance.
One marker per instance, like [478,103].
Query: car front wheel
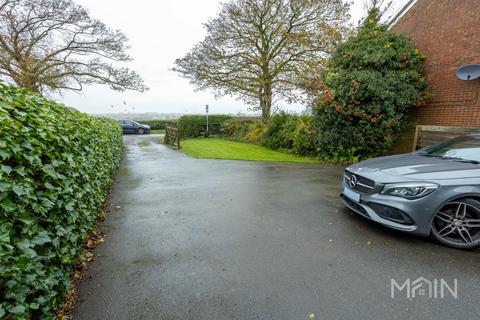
[141,131]
[457,224]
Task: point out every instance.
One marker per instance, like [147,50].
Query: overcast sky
[159,32]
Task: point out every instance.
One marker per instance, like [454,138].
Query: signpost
[206,110]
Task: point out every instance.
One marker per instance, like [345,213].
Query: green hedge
[195,126]
[293,133]
[55,171]
[238,128]
[287,132]
[157,124]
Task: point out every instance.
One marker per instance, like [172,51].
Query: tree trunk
[266,102]
[27,83]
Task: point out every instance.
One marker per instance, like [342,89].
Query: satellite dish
[469,72]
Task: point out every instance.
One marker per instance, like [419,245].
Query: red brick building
[447,32]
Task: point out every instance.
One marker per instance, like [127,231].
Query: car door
[129,126]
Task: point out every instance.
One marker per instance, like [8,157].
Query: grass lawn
[224,149]
[157,131]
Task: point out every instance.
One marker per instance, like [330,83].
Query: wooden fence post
[172,136]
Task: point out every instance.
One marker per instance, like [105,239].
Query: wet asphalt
[213,239]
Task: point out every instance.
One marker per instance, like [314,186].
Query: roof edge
[403,11]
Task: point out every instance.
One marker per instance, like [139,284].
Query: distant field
[224,149]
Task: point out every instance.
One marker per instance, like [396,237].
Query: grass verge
[212,148]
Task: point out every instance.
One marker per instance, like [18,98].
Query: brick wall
[448,33]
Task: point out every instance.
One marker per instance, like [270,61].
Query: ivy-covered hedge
[56,166]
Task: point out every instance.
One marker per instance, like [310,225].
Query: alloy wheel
[457,224]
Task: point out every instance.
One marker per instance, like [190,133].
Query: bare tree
[255,49]
[52,45]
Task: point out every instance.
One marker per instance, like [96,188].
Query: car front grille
[363,185]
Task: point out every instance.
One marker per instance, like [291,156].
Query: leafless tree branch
[54,45]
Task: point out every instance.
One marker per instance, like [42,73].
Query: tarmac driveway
[210,239]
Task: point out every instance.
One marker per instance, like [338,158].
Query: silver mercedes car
[433,191]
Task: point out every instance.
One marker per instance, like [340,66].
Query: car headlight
[409,190]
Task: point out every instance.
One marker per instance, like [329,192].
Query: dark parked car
[434,191]
[130,126]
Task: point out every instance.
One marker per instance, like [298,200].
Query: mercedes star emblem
[353,181]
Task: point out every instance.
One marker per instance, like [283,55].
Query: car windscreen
[466,148]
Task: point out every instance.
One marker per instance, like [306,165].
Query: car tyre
[457,224]
[141,131]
